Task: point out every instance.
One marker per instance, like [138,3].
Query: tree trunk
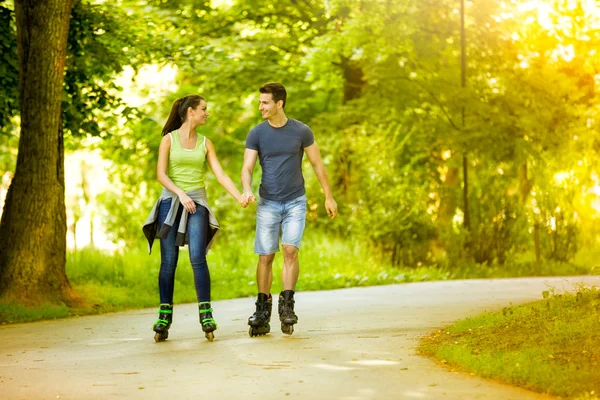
[33,226]
[75,234]
[467,214]
[536,242]
[525,184]
[448,199]
[463,84]
[353,86]
[92,229]
[353,79]
[87,197]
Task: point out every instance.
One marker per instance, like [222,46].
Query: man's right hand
[248,197]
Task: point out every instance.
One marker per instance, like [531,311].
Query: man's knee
[266,261]
[290,253]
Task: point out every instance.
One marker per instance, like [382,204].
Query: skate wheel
[210,336]
[287,329]
[259,330]
[160,337]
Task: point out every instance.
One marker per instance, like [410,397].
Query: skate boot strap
[161,322]
[165,311]
[206,321]
[205,310]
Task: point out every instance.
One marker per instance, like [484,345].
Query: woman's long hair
[179,112]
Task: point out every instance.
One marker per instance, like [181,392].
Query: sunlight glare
[330,367]
[375,362]
[560,177]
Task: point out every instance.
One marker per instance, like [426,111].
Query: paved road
[350,344]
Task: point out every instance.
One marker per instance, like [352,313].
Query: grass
[15,312]
[126,280]
[550,346]
[114,282]
[523,265]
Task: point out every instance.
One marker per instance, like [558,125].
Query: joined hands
[247,198]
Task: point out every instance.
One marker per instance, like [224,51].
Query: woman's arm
[250,157]
[163,178]
[222,177]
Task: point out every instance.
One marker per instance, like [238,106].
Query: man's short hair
[277,91]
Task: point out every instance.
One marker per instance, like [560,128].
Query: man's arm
[247,170]
[314,156]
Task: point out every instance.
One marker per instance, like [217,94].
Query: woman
[182,215]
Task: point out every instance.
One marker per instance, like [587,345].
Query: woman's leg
[198,234]
[169,254]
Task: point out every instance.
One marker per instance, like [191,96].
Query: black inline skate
[286,312]
[162,325]
[259,321]
[206,319]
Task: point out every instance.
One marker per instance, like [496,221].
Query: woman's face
[200,113]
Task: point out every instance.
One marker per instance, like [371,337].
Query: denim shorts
[273,218]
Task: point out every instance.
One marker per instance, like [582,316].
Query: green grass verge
[129,279]
[550,346]
[15,312]
[114,282]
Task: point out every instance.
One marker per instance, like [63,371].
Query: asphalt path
[354,343]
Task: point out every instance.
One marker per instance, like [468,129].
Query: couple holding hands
[182,215]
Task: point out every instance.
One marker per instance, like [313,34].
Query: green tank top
[186,167]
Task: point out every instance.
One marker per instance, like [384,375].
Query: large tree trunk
[33,225]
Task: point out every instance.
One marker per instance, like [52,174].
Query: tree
[33,224]
[97,49]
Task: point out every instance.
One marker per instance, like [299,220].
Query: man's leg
[259,321]
[294,219]
[264,273]
[289,276]
[293,223]
[291,267]
[266,244]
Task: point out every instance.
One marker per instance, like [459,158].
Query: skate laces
[263,309]
[287,307]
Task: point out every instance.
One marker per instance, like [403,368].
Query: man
[279,143]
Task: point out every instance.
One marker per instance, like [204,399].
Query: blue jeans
[275,218]
[197,231]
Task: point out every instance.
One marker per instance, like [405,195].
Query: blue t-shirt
[280,152]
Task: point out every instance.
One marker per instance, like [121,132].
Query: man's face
[267,106]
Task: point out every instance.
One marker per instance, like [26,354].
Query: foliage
[97,50]
[9,74]
[379,84]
